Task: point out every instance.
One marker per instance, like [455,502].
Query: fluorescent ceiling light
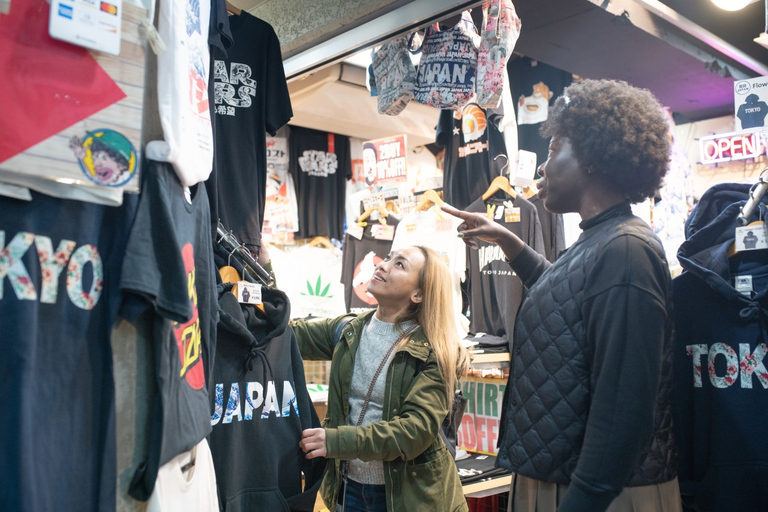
[732,5]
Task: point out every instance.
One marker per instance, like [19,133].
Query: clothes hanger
[756,193]
[232,9]
[429,198]
[500,182]
[383,213]
[529,191]
[321,241]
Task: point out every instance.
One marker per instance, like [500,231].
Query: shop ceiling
[687,52]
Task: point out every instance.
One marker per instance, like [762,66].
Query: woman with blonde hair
[393,375]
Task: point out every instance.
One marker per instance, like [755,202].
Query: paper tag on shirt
[355,231]
[743,285]
[443,225]
[751,238]
[248,293]
[383,231]
[373,201]
[512,215]
[526,168]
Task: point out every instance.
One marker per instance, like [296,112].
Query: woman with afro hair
[586,423]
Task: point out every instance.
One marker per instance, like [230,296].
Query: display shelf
[500,357]
[488,487]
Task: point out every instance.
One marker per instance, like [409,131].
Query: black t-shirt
[523,76]
[60,263]
[250,99]
[360,258]
[495,292]
[472,142]
[320,165]
[168,268]
[552,228]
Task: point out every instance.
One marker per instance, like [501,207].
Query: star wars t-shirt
[320,165]
[472,142]
[169,269]
[495,291]
[60,263]
[250,99]
[535,86]
[360,259]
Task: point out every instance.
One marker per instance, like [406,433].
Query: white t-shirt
[437,230]
[192,490]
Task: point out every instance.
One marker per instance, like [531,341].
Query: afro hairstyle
[617,131]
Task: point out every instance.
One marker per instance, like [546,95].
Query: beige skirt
[529,495]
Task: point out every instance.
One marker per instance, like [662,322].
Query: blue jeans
[362,498]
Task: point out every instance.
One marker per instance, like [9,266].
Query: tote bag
[395,76]
[446,75]
[501,29]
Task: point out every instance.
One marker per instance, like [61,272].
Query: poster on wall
[384,161]
[71,116]
[750,103]
[479,430]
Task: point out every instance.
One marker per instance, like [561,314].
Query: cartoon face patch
[106,157]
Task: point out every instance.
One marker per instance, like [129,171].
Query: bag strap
[381,367]
[340,327]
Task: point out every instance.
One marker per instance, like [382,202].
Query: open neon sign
[730,146]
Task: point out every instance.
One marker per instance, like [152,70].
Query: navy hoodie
[260,406]
[721,383]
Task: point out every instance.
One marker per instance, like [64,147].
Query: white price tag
[374,201]
[248,293]
[355,231]
[383,231]
[751,238]
[526,168]
[95,24]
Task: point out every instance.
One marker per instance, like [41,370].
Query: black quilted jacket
[588,402]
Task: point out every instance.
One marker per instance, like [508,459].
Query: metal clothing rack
[756,193]
[229,242]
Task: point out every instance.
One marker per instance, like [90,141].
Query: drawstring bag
[501,29]
[446,75]
[395,76]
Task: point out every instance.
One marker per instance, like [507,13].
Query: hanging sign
[94,24]
[730,146]
[750,103]
[479,430]
[384,160]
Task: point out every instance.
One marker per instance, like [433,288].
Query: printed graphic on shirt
[233,88]
[242,406]
[725,367]
[318,163]
[473,124]
[362,277]
[489,254]
[188,338]
[534,109]
[106,157]
[51,266]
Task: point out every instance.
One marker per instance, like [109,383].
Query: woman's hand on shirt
[313,442]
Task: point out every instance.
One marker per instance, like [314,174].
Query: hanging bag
[395,76]
[446,75]
[501,29]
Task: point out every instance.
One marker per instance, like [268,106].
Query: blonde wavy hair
[435,314]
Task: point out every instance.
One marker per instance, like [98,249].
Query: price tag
[512,214]
[443,225]
[248,293]
[355,231]
[526,168]
[383,231]
[751,238]
[743,285]
[373,201]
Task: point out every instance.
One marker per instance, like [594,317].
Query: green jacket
[419,472]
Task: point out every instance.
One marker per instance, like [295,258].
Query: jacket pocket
[435,483]
[268,498]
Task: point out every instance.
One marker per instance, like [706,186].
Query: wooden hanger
[428,198]
[529,191]
[500,183]
[229,274]
[320,241]
[383,213]
[232,9]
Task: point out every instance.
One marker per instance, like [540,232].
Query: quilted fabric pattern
[548,404]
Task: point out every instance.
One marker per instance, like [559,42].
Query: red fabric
[47,85]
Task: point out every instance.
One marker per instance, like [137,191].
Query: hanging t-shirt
[311,277]
[187,483]
[552,229]
[60,263]
[168,269]
[437,230]
[535,87]
[320,165]
[182,90]
[495,291]
[360,259]
[250,99]
[281,211]
[472,142]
